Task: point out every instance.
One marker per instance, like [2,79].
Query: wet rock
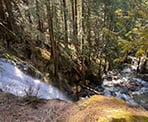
[143,77]
[127,70]
[107,92]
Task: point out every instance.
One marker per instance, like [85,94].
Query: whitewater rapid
[125,85]
[14,81]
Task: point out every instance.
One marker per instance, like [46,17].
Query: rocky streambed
[126,84]
[131,89]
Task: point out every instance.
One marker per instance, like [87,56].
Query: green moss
[11,57]
[59,120]
[41,54]
[139,118]
[106,109]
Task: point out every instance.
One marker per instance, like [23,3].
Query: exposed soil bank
[94,109]
[31,109]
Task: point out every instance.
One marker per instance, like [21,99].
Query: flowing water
[121,84]
[126,85]
[13,80]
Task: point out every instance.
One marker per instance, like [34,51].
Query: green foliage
[133,38]
[119,60]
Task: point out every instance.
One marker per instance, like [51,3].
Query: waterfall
[14,81]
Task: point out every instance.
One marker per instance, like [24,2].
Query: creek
[126,85]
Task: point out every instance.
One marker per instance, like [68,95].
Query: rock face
[104,109]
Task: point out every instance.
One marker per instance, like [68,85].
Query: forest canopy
[75,41]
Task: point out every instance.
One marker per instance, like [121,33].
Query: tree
[65,21]
[52,38]
[134,40]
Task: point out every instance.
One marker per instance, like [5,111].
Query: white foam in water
[127,70]
[122,87]
[13,80]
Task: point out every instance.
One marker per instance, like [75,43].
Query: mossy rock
[41,54]
[104,109]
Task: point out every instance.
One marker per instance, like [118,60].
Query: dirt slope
[16,109]
[94,109]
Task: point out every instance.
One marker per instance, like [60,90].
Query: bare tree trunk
[2,12]
[138,67]
[52,39]
[83,58]
[100,67]
[10,19]
[10,22]
[40,24]
[73,16]
[28,13]
[65,21]
[74,19]
[88,26]
[2,20]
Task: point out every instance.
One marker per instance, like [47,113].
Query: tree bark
[40,24]
[2,12]
[65,22]
[10,18]
[52,39]
[74,20]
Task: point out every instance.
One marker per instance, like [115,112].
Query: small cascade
[15,81]
[126,85]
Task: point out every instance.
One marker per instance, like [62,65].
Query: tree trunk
[10,22]
[138,67]
[10,19]
[65,22]
[74,20]
[40,24]
[2,12]
[82,44]
[52,39]
[28,12]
